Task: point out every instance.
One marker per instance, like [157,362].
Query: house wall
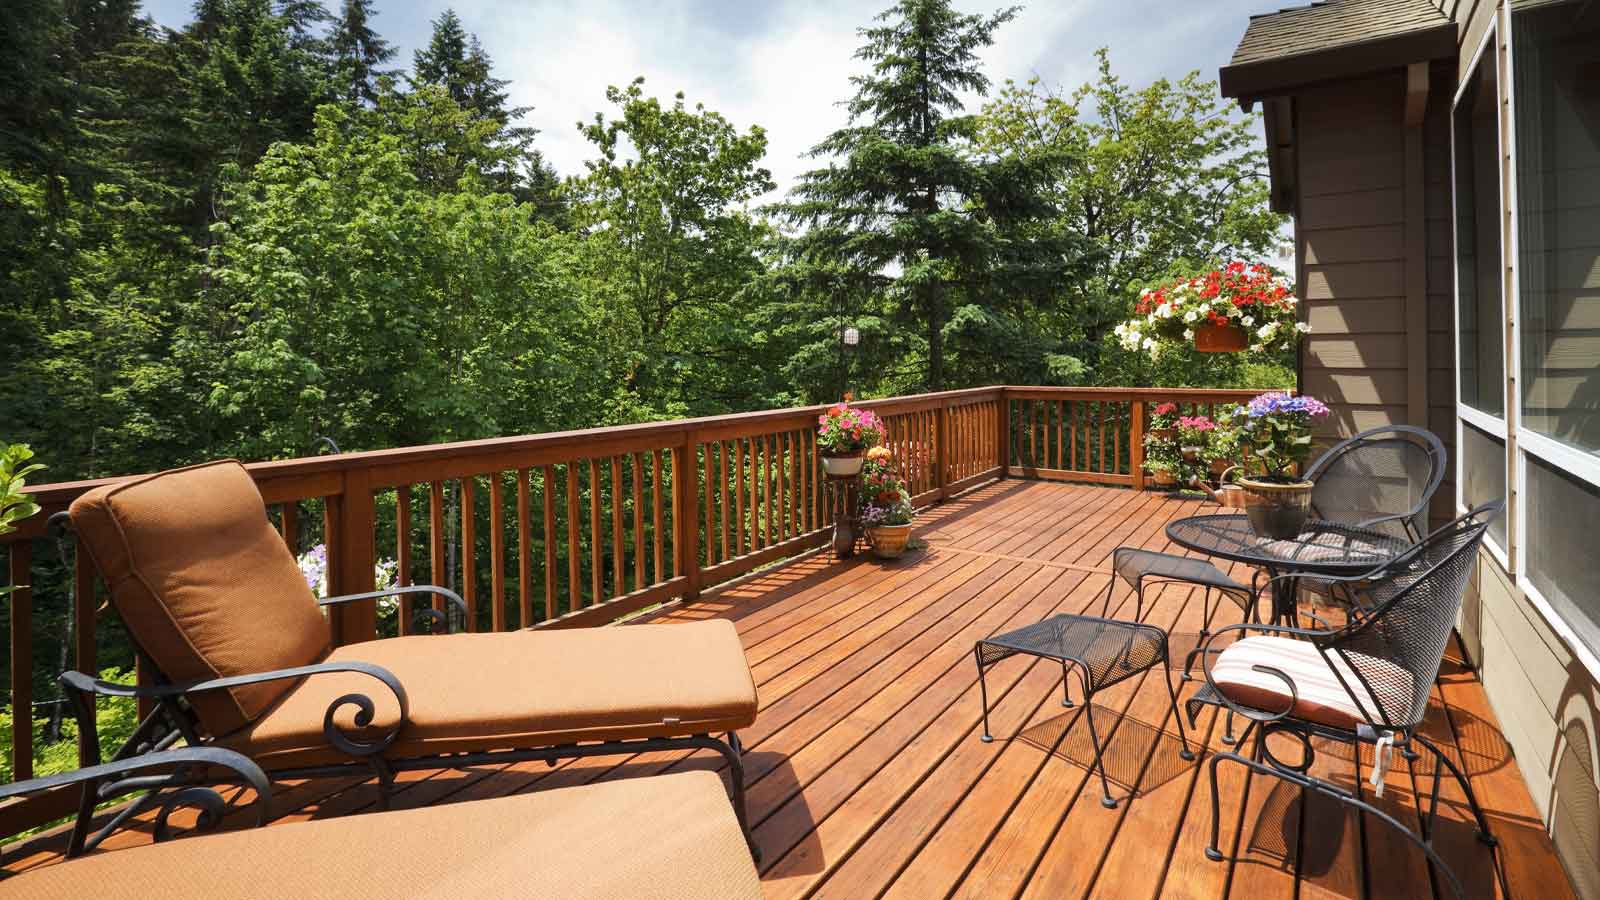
[1351,234]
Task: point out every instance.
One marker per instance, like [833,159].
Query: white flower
[1248,321]
[1164,310]
[1256,348]
[1302,327]
[1188,334]
[1266,330]
[1149,344]
[1191,315]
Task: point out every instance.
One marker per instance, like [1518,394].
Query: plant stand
[845,528]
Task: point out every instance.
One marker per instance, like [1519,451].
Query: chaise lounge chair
[668,837]
[220,611]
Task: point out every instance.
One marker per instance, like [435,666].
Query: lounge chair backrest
[1398,647]
[204,583]
[1392,470]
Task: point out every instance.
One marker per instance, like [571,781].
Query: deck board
[867,779]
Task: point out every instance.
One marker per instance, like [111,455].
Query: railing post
[351,569]
[1136,443]
[686,516]
[1005,433]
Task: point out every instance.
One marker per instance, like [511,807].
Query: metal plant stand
[845,527]
[1103,651]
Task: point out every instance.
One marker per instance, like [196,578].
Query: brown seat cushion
[205,584]
[670,837]
[524,689]
[1321,696]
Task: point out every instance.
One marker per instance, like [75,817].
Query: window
[1557,149]
[1483,475]
[1478,262]
[1563,519]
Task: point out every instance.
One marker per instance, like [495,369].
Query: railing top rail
[318,475]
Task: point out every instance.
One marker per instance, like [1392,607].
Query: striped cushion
[1320,696]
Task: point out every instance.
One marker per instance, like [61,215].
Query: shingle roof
[1335,34]
[1330,24]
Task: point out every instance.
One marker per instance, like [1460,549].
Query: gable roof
[1334,39]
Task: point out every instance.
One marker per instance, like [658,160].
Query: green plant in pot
[1162,460]
[1164,422]
[1277,427]
[844,435]
[14,504]
[886,509]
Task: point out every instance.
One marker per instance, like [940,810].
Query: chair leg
[1183,736]
[983,692]
[1066,698]
[1482,821]
[733,752]
[1106,799]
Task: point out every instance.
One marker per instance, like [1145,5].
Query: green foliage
[56,752]
[14,504]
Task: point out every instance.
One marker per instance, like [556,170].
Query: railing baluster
[547,498]
[497,553]
[618,562]
[524,552]
[711,507]
[659,542]
[469,549]
[290,514]
[574,545]
[402,554]
[638,521]
[722,500]
[21,603]
[597,538]
[436,560]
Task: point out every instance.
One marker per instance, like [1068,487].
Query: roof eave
[1248,82]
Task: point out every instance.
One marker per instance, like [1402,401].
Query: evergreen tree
[457,63]
[358,51]
[910,195]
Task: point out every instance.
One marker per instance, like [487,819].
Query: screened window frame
[1526,443]
[1497,427]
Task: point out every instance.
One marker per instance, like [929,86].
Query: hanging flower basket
[1220,339]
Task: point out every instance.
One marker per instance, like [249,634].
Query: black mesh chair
[1138,567]
[1366,682]
[1382,478]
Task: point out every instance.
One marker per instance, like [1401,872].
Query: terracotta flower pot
[1164,434]
[1164,477]
[843,465]
[1191,454]
[889,541]
[1210,338]
[1277,510]
[1220,466]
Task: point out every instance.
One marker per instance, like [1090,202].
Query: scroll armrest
[1258,716]
[209,757]
[366,709]
[456,603]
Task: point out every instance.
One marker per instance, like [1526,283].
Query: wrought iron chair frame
[173,719]
[1403,735]
[1406,520]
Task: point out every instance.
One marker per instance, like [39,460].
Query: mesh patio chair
[1382,478]
[1365,683]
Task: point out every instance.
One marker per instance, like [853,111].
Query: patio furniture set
[247,679]
[1365,681]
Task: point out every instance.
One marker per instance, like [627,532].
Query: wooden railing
[581,528]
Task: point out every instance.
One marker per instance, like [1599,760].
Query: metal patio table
[1321,548]
[1103,651]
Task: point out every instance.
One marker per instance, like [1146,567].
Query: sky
[781,64]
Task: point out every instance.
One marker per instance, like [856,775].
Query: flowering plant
[1247,296]
[844,430]
[1165,415]
[1194,431]
[314,568]
[884,498]
[1226,441]
[1277,426]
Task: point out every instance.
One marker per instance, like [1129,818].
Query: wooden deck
[867,777]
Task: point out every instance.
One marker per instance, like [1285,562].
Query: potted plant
[1162,461]
[1239,306]
[1278,429]
[1226,441]
[1194,436]
[1164,422]
[886,509]
[14,504]
[844,434]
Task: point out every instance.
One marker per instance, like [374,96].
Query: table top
[1327,548]
[1108,649]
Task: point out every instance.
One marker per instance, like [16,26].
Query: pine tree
[909,191]
[443,62]
[358,51]
[456,62]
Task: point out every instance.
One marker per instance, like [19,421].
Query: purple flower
[1280,403]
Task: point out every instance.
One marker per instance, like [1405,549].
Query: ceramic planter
[1164,477]
[844,465]
[889,541]
[1220,339]
[1277,510]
